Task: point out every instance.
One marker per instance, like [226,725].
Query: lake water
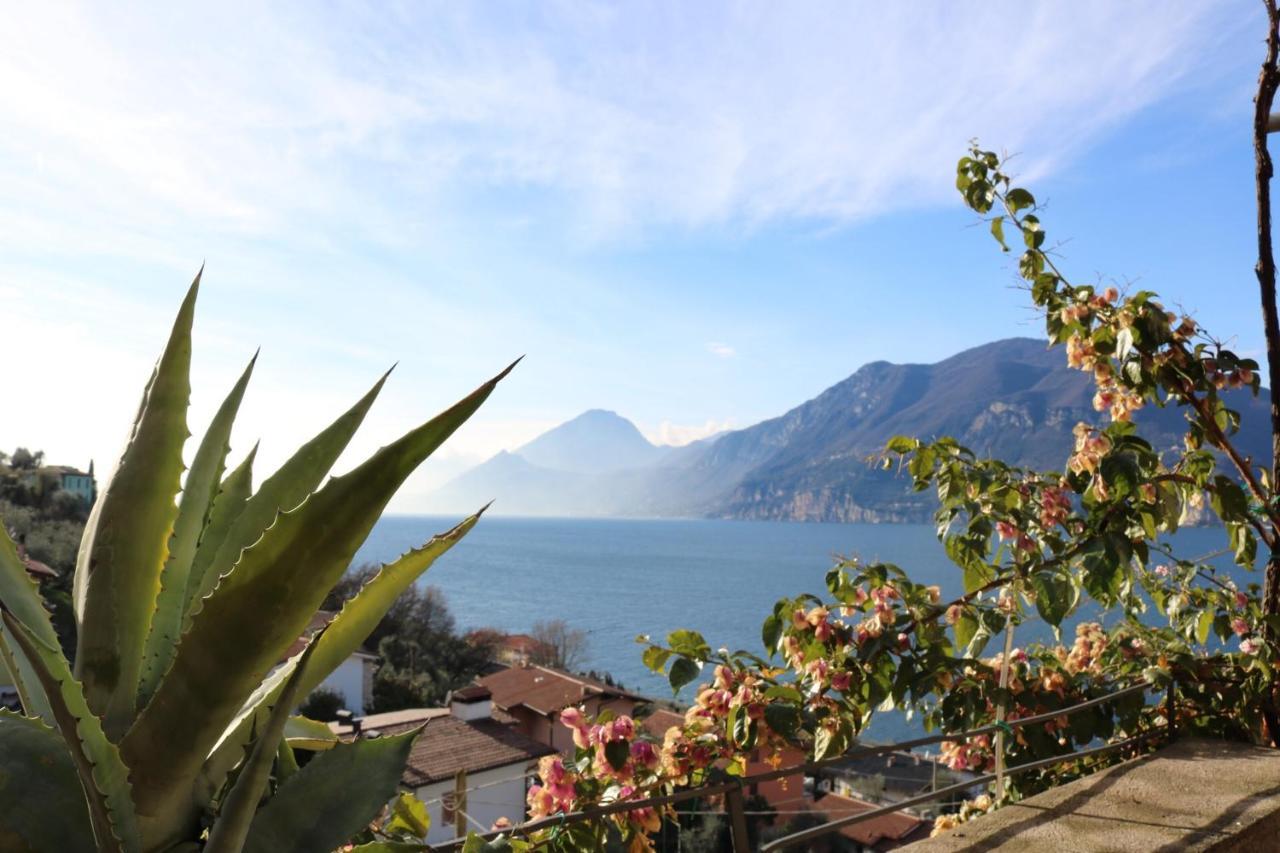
[619,578]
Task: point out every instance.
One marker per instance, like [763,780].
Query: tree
[558,645]
[422,655]
[24,460]
[323,704]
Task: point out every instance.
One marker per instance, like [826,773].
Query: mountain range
[1013,398]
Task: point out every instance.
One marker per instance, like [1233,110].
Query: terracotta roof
[660,720]
[448,744]
[884,832]
[545,690]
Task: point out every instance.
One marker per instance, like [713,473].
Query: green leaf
[344,634]
[230,830]
[505,844]
[230,501]
[332,798]
[1204,624]
[303,733]
[21,596]
[281,492]
[409,814]
[269,597]
[966,627]
[655,658]
[103,776]
[770,633]
[126,539]
[44,805]
[390,847]
[997,231]
[1019,199]
[682,672]
[616,752]
[902,444]
[783,718]
[690,643]
[1055,596]
[198,493]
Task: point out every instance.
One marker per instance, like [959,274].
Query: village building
[468,767]
[352,679]
[533,697]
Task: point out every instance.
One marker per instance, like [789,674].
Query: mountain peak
[595,441]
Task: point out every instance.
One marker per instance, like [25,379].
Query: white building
[463,748]
[353,678]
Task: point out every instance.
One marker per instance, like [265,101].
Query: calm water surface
[619,578]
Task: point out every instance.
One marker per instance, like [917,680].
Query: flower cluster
[1086,651]
[968,811]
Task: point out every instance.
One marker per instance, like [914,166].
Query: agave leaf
[21,596]
[232,826]
[344,634]
[230,501]
[269,596]
[282,491]
[332,798]
[103,776]
[304,733]
[43,802]
[198,493]
[126,539]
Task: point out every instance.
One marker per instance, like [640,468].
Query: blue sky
[698,215]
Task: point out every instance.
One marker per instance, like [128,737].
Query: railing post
[738,820]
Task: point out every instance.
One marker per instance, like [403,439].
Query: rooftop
[545,690]
[892,827]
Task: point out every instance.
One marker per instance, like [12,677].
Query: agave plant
[172,728]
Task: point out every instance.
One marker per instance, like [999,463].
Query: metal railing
[733,789]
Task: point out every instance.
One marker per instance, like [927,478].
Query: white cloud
[678,435]
[722,350]
[369,121]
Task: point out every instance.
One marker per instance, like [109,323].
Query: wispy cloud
[678,435]
[631,116]
[721,350]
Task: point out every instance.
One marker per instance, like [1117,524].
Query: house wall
[349,680]
[502,796]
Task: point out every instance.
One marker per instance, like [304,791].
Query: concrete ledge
[1195,795]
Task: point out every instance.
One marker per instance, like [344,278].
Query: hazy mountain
[1012,398]
[594,442]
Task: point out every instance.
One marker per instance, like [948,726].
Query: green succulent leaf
[344,634]
[233,494]
[409,814]
[198,493]
[20,596]
[270,595]
[229,832]
[126,539]
[320,808]
[44,806]
[283,491]
[103,776]
[304,733]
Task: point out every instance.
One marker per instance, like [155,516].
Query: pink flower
[1162,571]
[644,754]
[1240,626]
[1111,294]
[954,612]
[840,680]
[1006,530]
[574,719]
[1242,600]
[1250,646]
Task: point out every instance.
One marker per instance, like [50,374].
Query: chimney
[473,702]
[345,717]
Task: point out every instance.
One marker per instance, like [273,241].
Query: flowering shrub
[1029,545]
